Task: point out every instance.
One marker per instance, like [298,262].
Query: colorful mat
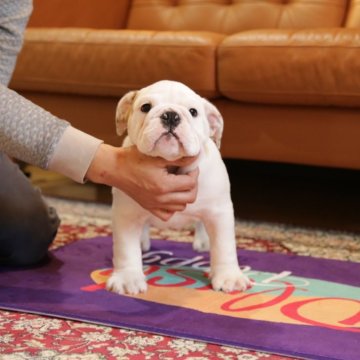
[300,306]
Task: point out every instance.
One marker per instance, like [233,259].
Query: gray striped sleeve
[28,132]
[14,15]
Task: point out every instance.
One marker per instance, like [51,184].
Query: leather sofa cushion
[111,62]
[308,67]
[232,16]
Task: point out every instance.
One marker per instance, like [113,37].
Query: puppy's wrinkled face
[166,119]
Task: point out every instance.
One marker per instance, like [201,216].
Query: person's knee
[31,229]
[27,225]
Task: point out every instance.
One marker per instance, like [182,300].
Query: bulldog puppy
[169,120]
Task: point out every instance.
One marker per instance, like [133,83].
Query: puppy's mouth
[168,134]
[168,145]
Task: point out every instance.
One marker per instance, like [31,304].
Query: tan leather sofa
[284,73]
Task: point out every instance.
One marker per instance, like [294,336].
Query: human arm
[31,134]
[28,132]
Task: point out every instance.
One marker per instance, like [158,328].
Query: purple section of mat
[54,289]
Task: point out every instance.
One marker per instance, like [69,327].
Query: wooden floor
[289,194]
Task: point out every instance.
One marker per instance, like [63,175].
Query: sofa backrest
[97,14]
[221,16]
[231,16]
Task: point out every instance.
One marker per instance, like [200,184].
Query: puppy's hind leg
[145,238]
[201,240]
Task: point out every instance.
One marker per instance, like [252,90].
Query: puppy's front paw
[130,282]
[229,278]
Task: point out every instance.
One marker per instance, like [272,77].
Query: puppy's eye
[193,112]
[145,108]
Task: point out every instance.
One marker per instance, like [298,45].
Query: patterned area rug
[24,336]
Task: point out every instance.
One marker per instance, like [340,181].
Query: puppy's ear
[216,122]
[123,110]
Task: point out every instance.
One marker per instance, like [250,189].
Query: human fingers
[184,161]
[162,214]
[182,182]
[177,201]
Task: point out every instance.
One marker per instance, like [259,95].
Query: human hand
[145,179]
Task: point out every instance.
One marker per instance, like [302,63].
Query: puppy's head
[168,119]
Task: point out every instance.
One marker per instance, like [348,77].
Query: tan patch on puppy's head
[216,122]
[123,112]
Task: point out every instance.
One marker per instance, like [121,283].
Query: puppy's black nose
[170,119]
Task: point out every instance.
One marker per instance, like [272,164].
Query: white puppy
[169,120]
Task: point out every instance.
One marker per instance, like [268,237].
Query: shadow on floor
[296,195]
[277,193]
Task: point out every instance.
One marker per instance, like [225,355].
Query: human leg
[27,224]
